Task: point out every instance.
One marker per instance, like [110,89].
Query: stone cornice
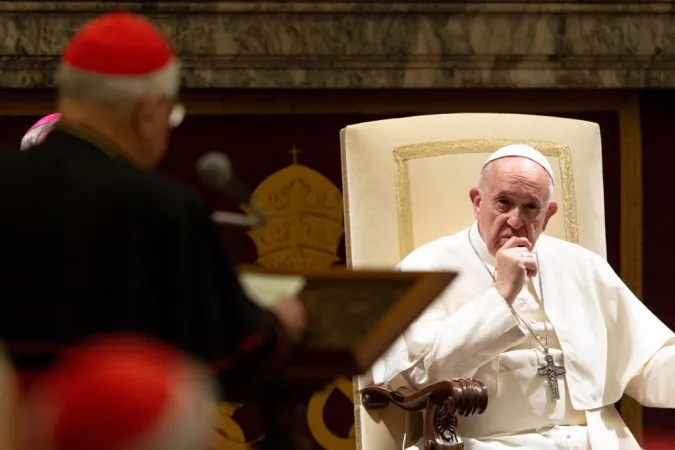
[353,6]
[365,44]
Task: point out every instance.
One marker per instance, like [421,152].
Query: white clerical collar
[481,248]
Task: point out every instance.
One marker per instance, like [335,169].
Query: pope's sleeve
[653,386]
[648,346]
[641,348]
[442,345]
[439,348]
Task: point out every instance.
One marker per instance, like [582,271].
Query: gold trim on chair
[345,199]
[467,146]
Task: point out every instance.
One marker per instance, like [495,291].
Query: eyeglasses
[177,115]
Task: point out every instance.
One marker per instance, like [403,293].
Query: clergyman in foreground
[99,243]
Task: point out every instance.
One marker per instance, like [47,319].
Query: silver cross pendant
[552,372]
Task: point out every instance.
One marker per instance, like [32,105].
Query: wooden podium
[354,317]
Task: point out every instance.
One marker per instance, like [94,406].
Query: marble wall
[372,44]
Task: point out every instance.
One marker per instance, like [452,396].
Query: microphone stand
[257,219]
[239,220]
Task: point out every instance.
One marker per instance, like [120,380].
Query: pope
[550,328]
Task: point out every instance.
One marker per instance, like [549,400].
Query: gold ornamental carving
[227,433]
[315,417]
[305,219]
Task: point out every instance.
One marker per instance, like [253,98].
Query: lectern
[354,317]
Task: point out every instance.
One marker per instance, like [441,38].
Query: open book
[265,288]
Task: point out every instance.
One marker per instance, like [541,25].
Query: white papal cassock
[607,340]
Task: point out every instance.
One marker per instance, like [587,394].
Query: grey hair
[118,91]
[486,170]
[36,135]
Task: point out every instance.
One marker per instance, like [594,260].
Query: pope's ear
[474,195]
[552,209]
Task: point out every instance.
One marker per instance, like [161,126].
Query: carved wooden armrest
[441,402]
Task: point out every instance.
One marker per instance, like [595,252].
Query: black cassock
[92,245]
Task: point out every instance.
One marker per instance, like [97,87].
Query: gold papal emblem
[304,212]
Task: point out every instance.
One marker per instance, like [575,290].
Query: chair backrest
[406,182]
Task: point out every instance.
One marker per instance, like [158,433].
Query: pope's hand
[514,262]
[292,315]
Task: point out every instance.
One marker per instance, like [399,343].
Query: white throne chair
[406,182]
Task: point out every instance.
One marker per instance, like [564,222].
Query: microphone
[215,170]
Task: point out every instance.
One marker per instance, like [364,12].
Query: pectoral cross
[552,372]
